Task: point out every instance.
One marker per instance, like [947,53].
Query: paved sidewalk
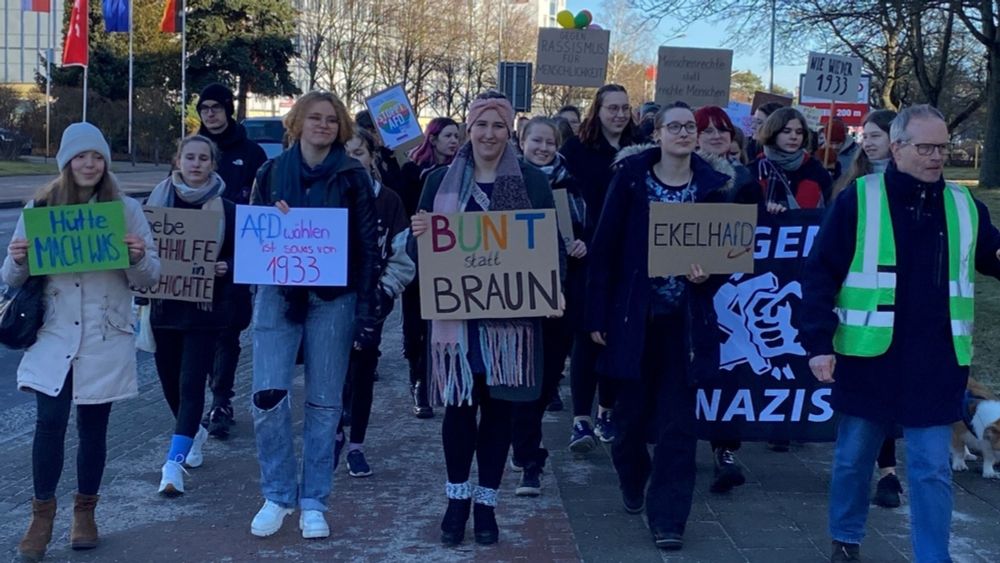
[138,181]
[779,515]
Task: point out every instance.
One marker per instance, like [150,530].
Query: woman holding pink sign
[326,321]
[470,360]
[85,351]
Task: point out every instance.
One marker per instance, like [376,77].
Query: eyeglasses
[674,127]
[927,149]
[618,109]
[205,108]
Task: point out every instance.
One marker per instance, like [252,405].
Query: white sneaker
[172,479]
[313,524]
[195,457]
[269,519]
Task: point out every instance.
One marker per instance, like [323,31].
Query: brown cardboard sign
[717,236]
[572,57]
[563,216]
[188,243]
[493,265]
[699,77]
[761,98]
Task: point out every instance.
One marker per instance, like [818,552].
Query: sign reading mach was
[76,238]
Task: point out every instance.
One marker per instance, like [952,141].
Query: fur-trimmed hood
[707,167]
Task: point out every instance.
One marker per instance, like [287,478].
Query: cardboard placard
[493,265]
[572,57]
[717,236]
[393,116]
[563,216]
[699,77]
[76,238]
[761,98]
[188,244]
[832,77]
[306,246]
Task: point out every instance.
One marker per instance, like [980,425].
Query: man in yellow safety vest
[888,301]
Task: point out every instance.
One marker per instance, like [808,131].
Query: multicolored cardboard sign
[393,116]
[67,239]
[187,241]
[306,246]
[494,265]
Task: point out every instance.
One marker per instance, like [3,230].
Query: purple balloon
[594,26]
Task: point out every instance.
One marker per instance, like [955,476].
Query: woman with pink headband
[468,360]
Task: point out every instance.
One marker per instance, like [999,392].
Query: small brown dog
[982,414]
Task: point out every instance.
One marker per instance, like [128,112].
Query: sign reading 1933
[832,77]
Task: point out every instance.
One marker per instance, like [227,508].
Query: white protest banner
[717,236]
[813,116]
[393,116]
[832,77]
[699,77]
[572,57]
[188,243]
[494,265]
[563,216]
[306,246]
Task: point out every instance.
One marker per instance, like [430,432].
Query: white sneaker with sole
[195,457]
[313,524]
[269,519]
[172,479]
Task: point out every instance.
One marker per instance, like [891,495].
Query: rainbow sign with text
[394,116]
[306,246]
[493,265]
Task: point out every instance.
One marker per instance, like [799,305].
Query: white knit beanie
[82,137]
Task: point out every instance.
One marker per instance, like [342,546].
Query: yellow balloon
[566,19]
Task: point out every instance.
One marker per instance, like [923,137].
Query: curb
[14,204]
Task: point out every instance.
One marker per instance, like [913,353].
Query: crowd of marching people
[637,347]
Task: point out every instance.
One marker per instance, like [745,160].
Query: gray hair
[897,131]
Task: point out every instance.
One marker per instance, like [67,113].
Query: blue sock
[179,448]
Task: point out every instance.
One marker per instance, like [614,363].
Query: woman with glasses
[607,128]
[789,177]
[659,333]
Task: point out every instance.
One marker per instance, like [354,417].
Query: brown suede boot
[83,534]
[36,539]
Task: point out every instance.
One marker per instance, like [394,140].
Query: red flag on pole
[171,21]
[75,48]
[35,5]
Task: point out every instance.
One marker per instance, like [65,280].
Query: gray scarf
[789,161]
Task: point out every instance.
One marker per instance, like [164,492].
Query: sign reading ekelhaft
[699,77]
[765,390]
[572,57]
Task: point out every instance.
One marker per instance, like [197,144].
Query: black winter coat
[618,286]
[239,161]
[918,381]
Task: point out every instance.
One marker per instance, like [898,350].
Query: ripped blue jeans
[326,336]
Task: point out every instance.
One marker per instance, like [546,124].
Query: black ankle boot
[485,524]
[421,406]
[455,518]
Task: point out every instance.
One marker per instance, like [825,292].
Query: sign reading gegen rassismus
[498,264]
[572,57]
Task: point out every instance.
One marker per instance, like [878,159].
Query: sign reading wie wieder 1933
[572,57]
[717,236]
[306,246]
[493,265]
[187,241]
[832,77]
[76,238]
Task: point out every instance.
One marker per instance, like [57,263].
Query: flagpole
[48,79]
[130,78]
[85,93]
[183,65]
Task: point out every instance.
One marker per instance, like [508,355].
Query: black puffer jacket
[239,161]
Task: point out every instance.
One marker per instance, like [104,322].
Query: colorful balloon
[583,19]
[594,26]
[565,19]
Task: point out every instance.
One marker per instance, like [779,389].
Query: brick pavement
[779,515]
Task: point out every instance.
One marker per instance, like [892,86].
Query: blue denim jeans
[327,336]
[928,472]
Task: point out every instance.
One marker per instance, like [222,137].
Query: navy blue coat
[917,382]
[618,287]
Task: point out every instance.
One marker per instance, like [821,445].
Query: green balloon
[582,20]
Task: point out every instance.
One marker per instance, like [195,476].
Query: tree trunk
[241,109]
[989,174]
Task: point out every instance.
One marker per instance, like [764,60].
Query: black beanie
[218,93]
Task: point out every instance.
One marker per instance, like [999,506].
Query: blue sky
[711,36]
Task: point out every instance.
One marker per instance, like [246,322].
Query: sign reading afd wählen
[494,265]
[572,57]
